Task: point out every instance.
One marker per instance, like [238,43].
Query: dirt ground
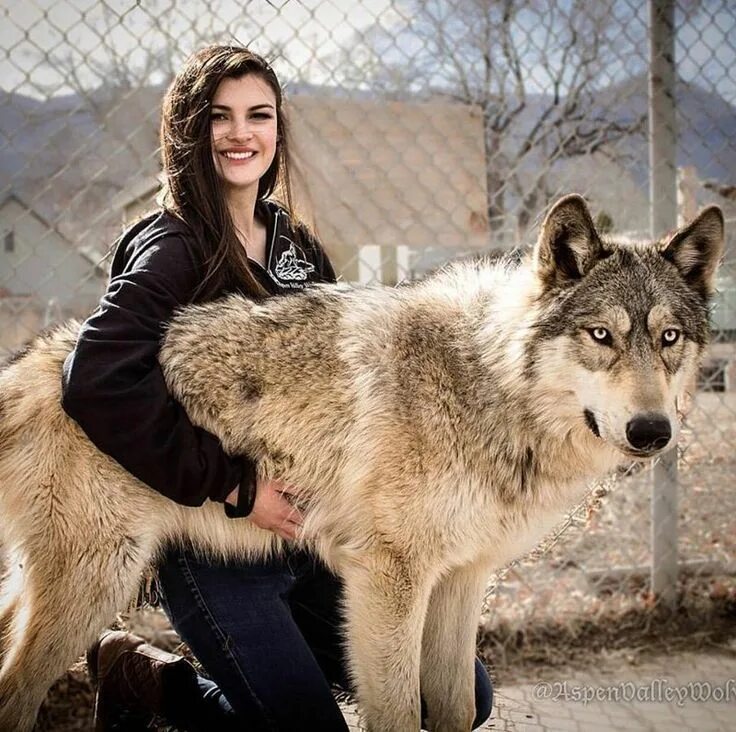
[562,606]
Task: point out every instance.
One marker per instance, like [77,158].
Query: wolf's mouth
[592,424]
[642,454]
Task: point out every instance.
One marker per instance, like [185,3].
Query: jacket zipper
[270,249]
[269,253]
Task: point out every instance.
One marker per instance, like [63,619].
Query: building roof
[388,173]
[14,196]
[92,256]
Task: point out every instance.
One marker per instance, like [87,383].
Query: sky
[307,36]
[309,30]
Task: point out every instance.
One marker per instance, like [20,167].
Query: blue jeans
[268,635]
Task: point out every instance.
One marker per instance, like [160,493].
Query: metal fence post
[663,201]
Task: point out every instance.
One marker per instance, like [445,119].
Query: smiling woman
[224,149]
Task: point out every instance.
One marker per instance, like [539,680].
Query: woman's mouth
[238,156]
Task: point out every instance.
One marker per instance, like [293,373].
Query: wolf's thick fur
[436,431]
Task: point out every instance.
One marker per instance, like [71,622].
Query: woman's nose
[240,130]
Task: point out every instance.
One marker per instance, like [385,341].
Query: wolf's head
[623,326]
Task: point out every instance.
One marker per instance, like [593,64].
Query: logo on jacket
[292,266]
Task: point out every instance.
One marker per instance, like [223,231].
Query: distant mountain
[706,128]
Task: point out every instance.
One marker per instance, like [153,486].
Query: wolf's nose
[649,432]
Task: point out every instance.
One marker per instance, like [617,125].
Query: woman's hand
[271,509]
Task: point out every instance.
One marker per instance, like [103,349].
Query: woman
[268,634]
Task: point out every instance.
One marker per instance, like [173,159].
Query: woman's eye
[670,337]
[601,335]
[217,115]
[261,115]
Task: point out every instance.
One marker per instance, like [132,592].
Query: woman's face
[243,122]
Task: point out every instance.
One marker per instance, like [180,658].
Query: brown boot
[130,675]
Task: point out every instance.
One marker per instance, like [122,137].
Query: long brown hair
[192,190]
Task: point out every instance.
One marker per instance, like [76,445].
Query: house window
[10,241]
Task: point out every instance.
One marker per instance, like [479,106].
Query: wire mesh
[424,131]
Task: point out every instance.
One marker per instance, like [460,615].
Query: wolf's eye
[670,337]
[601,335]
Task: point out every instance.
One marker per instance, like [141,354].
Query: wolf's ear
[696,249]
[568,244]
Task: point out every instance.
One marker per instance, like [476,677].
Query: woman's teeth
[239,156]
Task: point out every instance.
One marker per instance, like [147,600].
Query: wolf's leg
[448,648]
[386,599]
[69,594]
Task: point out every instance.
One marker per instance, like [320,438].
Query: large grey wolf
[436,431]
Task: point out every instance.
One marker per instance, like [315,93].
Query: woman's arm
[114,388]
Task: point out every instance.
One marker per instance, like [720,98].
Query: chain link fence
[424,131]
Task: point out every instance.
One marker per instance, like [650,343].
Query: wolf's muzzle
[649,432]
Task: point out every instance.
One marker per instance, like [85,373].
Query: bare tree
[111,62]
[137,48]
[535,70]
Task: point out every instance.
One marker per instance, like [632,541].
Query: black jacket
[113,385]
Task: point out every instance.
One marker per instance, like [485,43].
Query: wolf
[435,431]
